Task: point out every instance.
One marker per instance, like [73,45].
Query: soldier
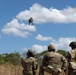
[53,62]
[71,58]
[29,64]
[30,21]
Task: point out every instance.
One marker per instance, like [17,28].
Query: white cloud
[25,49]
[42,14]
[35,48]
[18,29]
[42,38]
[38,48]
[61,43]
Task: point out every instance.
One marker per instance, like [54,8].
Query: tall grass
[9,69]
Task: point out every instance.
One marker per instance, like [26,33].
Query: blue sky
[54,22]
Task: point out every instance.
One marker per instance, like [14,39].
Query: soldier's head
[72,45]
[30,53]
[51,47]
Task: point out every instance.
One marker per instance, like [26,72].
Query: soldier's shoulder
[58,54]
[72,51]
[48,53]
[32,58]
[26,59]
[23,59]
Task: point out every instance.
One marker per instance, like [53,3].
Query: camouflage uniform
[29,65]
[71,57]
[53,62]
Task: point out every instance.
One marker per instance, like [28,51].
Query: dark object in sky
[30,21]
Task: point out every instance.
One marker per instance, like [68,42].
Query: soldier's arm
[64,61]
[68,57]
[44,61]
[35,65]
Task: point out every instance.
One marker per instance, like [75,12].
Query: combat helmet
[30,53]
[72,44]
[51,47]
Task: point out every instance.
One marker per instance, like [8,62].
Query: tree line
[12,58]
[15,58]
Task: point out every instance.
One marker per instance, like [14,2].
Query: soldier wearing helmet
[53,62]
[73,45]
[51,47]
[30,53]
[29,64]
[71,58]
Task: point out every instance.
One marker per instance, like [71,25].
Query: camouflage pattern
[52,63]
[29,66]
[71,57]
[74,72]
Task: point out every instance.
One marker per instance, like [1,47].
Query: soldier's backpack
[27,64]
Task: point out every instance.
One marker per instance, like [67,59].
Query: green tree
[13,58]
[1,58]
[63,52]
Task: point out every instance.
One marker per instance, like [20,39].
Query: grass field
[15,70]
